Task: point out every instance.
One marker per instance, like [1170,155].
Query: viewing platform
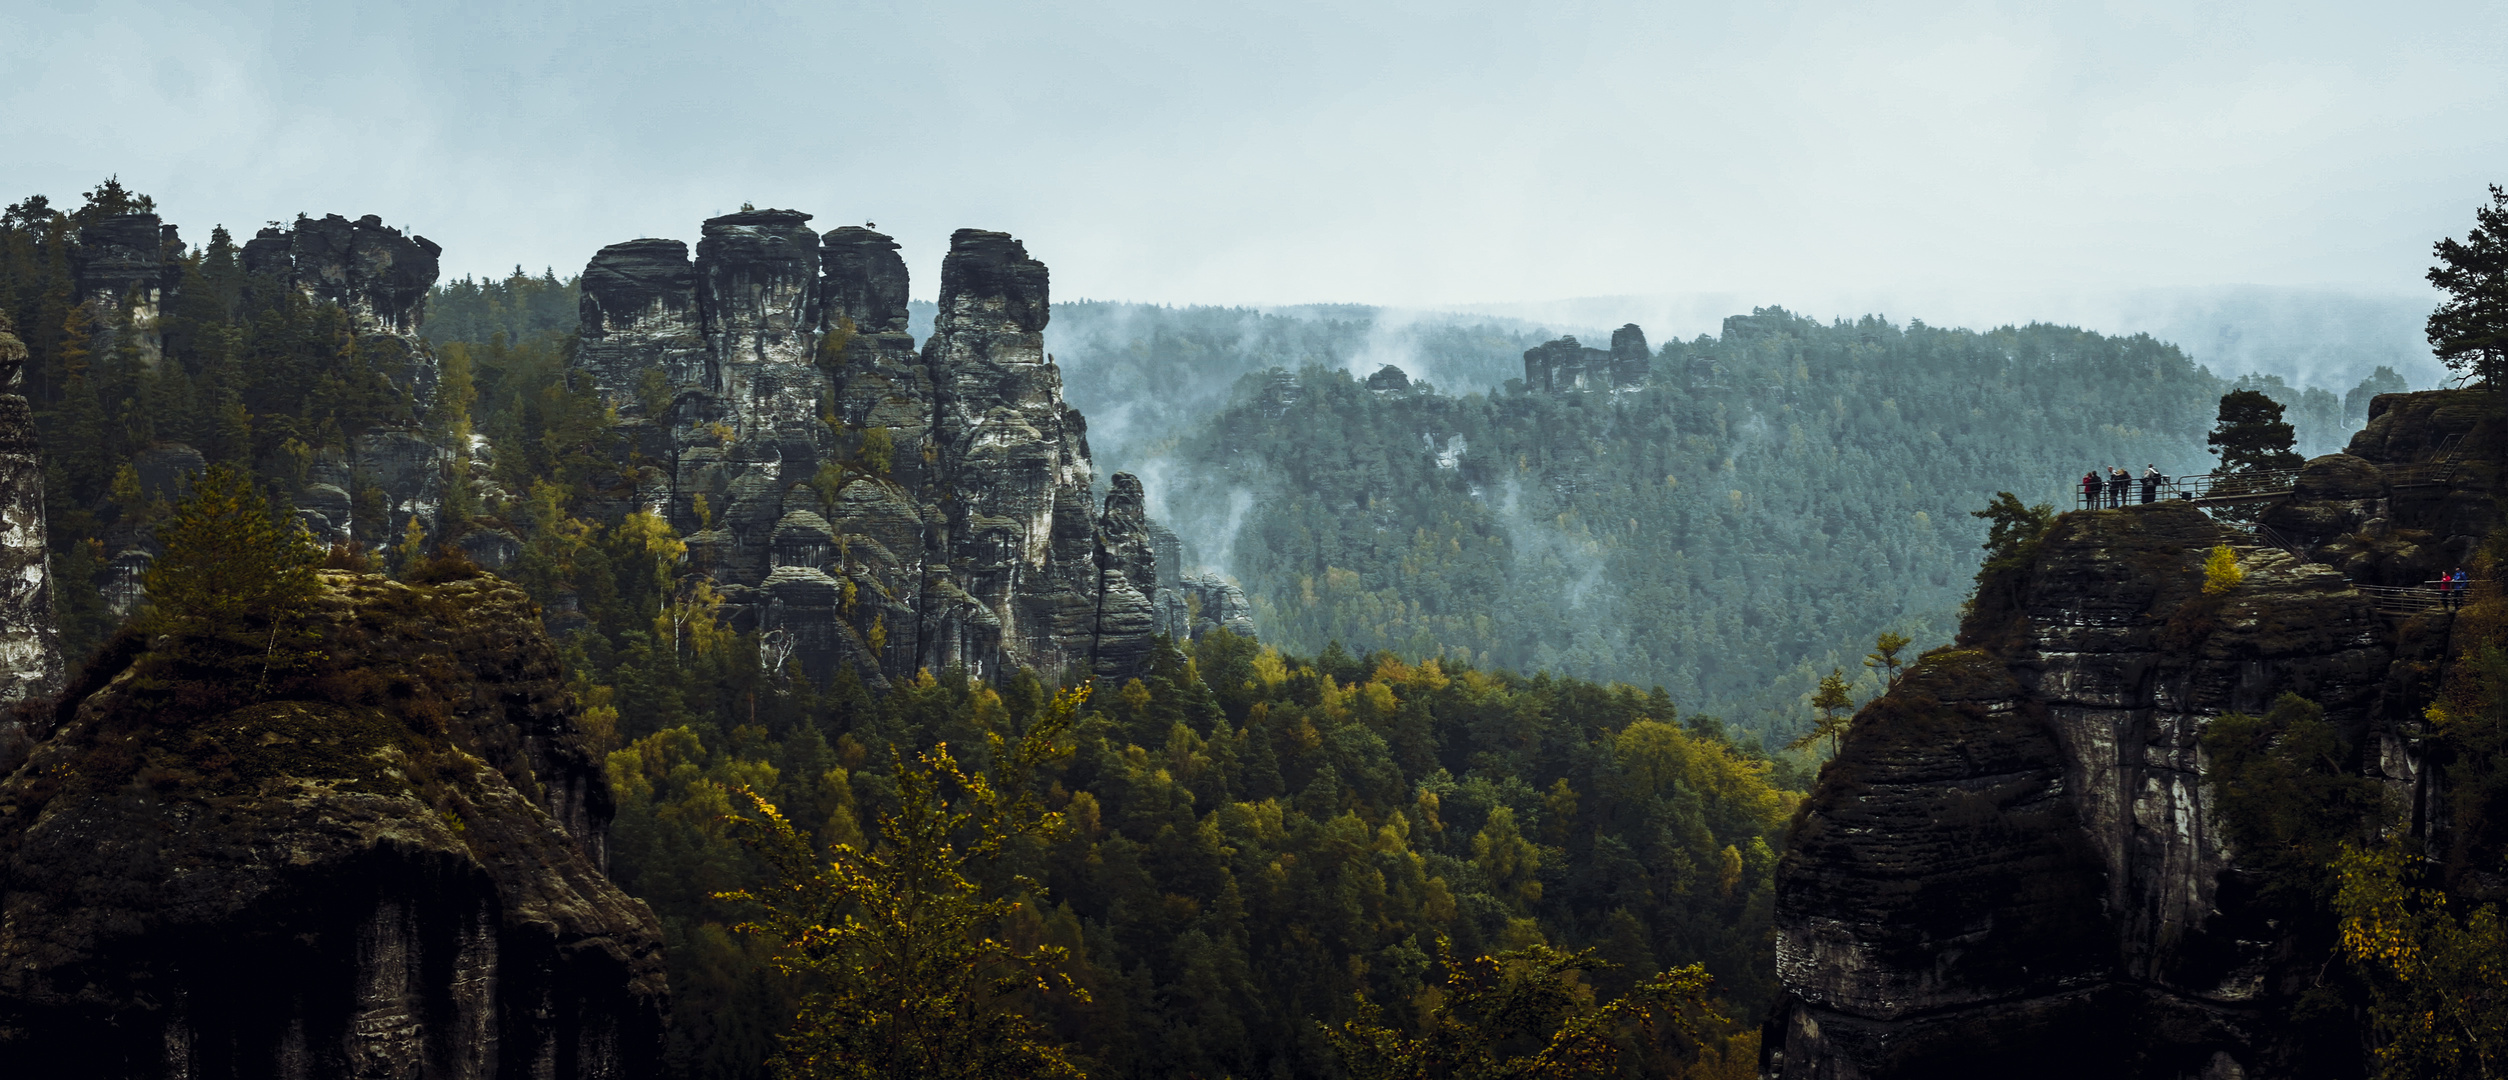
[2260,486]
[2205,489]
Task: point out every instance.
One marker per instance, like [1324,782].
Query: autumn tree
[2469,331]
[1523,1015]
[2437,973]
[900,937]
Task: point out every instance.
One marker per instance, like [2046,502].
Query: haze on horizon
[1955,162]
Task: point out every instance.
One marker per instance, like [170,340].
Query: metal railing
[2411,599]
[2267,536]
[2201,488]
[2219,488]
[2238,486]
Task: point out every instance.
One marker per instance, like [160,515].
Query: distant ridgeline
[1726,517]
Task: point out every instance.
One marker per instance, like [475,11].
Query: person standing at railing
[2151,483]
[2118,483]
[2451,587]
[2090,490]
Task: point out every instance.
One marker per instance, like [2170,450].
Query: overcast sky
[1965,159]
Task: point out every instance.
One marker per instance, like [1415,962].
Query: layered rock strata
[390,862]
[882,508]
[2013,865]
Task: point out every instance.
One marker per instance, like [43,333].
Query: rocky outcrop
[30,647]
[2013,866]
[126,266]
[877,507]
[371,271]
[639,312]
[1565,366]
[383,858]
[129,271]
[364,266]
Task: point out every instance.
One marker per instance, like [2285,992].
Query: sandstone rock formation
[1564,366]
[369,270]
[884,509]
[388,863]
[2013,866]
[126,265]
[128,272]
[30,648]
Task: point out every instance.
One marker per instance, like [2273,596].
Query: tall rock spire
[30,647]
[875,507]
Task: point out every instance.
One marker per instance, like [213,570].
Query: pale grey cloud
[1821,155]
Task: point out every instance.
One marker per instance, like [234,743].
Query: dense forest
[1220,411]
[1439,743]
[1256,837]
[1751,516]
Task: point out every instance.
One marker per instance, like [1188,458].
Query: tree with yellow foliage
[1523,1015]
[2438,980]
[899,937]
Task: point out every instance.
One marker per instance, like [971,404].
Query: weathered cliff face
[126,266]
[883,509]
[1564,366]
[129,270]
[389,863]
[2013,866]
[30,646]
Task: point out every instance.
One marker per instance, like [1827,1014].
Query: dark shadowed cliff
[2017,865]
[378,852]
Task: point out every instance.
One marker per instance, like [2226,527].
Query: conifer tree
[2470,330]
[230,562]
[2251,435]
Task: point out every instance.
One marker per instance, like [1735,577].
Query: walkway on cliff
[2263,486]
[2217,490]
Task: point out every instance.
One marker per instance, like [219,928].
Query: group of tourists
[2451,586]
[2118,485]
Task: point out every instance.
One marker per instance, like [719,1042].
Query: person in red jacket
[2090,489]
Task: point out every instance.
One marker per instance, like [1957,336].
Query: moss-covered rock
[372,844]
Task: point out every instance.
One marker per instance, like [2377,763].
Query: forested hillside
[1442,736]
[1746,520]
[1256,836]
[1147,375]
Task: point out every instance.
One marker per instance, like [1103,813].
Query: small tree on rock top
[2470,331]
[2252,436]
[230,563]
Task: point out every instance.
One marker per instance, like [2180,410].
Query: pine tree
[2470,330]
[230,563]
[2251,435]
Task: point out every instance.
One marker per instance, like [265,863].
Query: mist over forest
[1188,399]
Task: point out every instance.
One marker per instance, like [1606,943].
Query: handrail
[2199,487]
[2442,467]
